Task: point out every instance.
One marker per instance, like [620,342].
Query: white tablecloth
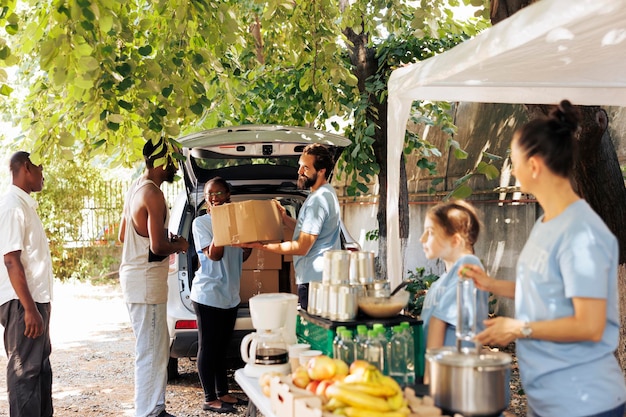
[252,389]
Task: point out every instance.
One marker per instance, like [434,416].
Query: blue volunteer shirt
[318,216]
[572,255]
[440,301]
[216,283]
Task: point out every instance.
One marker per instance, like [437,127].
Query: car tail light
[186,324]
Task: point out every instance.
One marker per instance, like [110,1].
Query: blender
[273,316]
[465,379]
[466,315]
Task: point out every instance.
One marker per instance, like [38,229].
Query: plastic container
[397,354]
[345,347]
[336,340]
[410,356]
[374,351]
[359,341]
[320,332]
[381,334]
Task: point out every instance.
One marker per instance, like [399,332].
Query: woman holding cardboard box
[215,297]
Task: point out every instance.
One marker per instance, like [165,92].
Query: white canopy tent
[546,52]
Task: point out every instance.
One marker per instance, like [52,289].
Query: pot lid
[468,358]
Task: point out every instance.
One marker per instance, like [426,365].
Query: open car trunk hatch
[256,157]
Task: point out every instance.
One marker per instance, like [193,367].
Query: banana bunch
[367,393]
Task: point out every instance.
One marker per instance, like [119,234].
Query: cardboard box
[260,259]
[283,397]
[246,221]
[307,407]
[255,282]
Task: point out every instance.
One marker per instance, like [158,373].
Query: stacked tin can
[345,275]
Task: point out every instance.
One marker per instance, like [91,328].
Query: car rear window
[212,163]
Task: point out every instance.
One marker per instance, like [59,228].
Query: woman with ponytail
[567,321]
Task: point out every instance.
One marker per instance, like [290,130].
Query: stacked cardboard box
[251,221]
[260,274]
[289,401]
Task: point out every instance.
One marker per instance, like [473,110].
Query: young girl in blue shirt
[450,232]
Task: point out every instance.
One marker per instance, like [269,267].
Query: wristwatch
[526,330]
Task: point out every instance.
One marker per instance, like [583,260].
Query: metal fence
[100,218]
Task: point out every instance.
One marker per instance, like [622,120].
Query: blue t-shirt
[318,216]
[216,283]
[572,255]
[440,301]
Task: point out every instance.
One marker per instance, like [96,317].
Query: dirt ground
[92,360]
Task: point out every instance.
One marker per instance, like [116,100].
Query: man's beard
[304,182]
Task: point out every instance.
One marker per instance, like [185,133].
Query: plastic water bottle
[381,333]
[374,352]
[407,332]
[362,343]
[345,347]
[380,328]
[397,355]
[359,341]
[338,331]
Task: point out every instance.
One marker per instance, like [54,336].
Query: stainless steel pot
[469,383]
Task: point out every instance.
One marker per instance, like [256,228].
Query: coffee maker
[274,318]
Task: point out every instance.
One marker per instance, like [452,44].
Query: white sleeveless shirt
[142,281]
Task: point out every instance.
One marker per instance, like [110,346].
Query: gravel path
[92,359]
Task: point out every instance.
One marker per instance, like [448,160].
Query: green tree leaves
[145,65]
[97,78]
[112,74]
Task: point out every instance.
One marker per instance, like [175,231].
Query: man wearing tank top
[143,277]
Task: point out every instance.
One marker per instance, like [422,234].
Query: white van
[259,162]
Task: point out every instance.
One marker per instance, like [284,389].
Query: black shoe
[225,408]
[238,402]
[165,414]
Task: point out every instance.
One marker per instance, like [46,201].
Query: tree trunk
[380,151]
[366,64]
[501,9]
[598,176]
[620,353]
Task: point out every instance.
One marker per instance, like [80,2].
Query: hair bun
[565,117]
